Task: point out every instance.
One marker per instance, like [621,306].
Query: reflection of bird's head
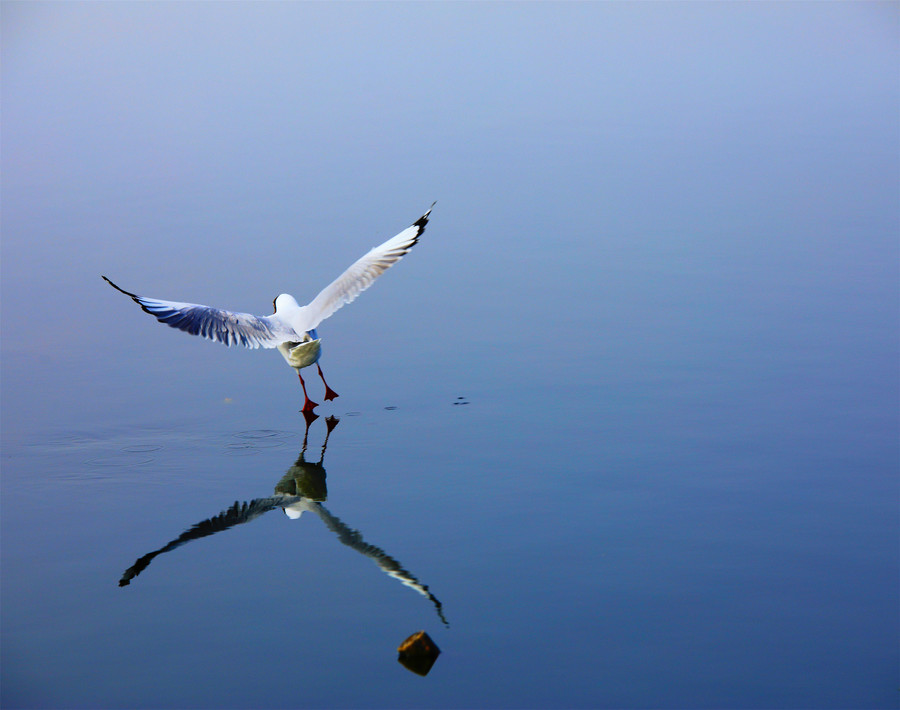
[295,510]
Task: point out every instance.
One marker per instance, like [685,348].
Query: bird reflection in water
[301,489]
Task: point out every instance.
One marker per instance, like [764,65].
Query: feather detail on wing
[215,324]
[362,274]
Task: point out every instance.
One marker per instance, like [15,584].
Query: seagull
[292,327]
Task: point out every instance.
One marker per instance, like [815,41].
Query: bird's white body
[292,327]
[308,349]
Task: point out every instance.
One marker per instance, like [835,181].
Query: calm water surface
[622,431]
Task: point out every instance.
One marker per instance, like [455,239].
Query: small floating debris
[460,401]
[418,653]
[390,409]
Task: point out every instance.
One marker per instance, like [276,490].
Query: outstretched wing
[362,274]
[215,324]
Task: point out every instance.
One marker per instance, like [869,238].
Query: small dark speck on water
[390,408]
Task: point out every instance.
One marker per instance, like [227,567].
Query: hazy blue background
[662,271]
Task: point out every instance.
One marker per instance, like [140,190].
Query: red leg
[308,405]
[330,394]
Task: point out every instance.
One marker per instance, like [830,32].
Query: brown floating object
[418,653]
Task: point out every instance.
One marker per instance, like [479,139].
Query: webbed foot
[330,394]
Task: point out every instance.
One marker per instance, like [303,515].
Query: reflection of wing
[353,538]
[237,514]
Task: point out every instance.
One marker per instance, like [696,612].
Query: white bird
[292,327]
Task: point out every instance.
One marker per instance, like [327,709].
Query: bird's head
[285,303]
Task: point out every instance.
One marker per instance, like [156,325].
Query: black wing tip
[133,296]
[423,220]
[119,288]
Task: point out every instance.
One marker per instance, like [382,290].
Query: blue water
[621,431]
